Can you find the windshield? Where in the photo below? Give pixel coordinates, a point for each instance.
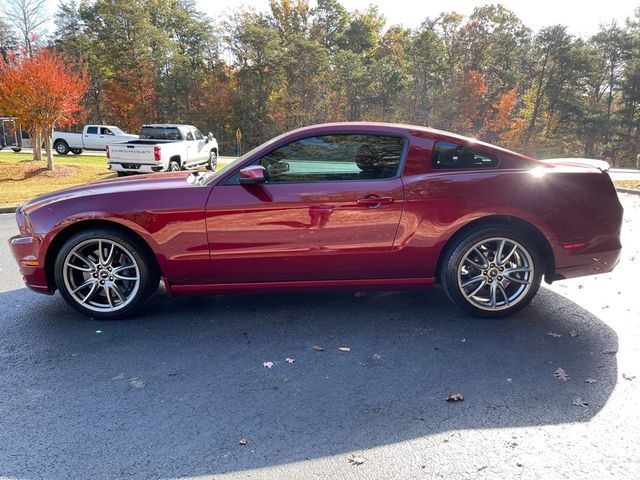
(117, 131)
(241, 159)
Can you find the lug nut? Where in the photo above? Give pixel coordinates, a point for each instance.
(499, 277)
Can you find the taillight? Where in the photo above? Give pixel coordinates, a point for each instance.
(108, 152)
(156, 153)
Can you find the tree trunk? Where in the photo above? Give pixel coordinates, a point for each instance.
(36, 141)
(48, 146)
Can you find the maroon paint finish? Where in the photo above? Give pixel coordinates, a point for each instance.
(385, 234)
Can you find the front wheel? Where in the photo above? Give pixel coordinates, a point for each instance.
(104, 273)
(212, 163)
(17, 150)
(492, 272)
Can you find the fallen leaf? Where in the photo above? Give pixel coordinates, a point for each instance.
(519, 465)
(509, 380)
(561, 374)
(268, 364)
(580, 403)
(243, 441)
(289, 360)
(344, 349)
(464, 340)
(590, 380)
(318, 348)
(573, 334)
(628, 377)
(455, 397)
(376, 356)
(359, 294)
(356, 460)
(554, 334)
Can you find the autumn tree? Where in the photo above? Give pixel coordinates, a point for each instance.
(43, 93)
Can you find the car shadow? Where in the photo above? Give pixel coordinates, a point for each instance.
(173, 391)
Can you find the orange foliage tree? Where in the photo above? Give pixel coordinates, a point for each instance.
(43, 93)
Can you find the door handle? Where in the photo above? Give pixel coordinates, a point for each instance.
(374, 201)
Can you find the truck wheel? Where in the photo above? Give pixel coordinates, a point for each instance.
(61, 147)
(76, 151)
(213, 160)
(123, 174)
(174, 167)
(17, 150)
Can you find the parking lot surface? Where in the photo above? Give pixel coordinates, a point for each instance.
(173, 392)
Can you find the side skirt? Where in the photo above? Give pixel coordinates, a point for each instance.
(300, 286)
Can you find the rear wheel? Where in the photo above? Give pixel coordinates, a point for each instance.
(76, 151)
(174, 166)
(61, 147)
(492, 272)
(122, 174)
(16, 150)
(104, 273)
(212, 163)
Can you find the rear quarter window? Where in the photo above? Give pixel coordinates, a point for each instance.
(448, 155)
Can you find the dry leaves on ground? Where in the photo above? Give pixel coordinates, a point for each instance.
(554, 334)
(628, 377)
(590, 380)
(455, 397)
(580, 403)
(243, 441)
(561, 374)
(268, 364)
(356, 460)
(318, 348)
(289, 360)
(344, 349)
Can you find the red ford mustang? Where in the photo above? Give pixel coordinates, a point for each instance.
(339, 206)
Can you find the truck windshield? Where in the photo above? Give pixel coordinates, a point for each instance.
(117, 131)
(160, 133)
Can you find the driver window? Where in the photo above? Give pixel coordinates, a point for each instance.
(106, 131)
(335, 158)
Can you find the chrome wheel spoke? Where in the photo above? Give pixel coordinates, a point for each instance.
(91, 281)
(472, 281)
(503, 292)
(480, 287)
(116, 290)
(509, 255)
(492, 295)
(499, 251)
(94, 287)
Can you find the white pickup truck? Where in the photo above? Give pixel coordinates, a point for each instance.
(93, 137)
(163, 148)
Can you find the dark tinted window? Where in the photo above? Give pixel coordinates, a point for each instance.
(106, 131)
(334, 158)
(92, 130)
(198, 135)
(453, 155)
(160, 133)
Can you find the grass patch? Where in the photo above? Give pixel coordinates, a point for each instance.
(630, 184)
(21, 178)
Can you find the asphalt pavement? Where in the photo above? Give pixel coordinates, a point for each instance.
(172, 392)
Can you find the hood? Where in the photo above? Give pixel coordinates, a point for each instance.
(157, 181)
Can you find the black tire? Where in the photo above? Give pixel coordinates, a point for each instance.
(61, 147)
(122, 174)
(174, 166)
(145, 271)
(76, 151)
(460, 266)
(17, 150)
(212, 163)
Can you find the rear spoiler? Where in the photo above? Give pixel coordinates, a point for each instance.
(601, 165)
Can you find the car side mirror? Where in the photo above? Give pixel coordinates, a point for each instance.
(253, 175)
(210, 136)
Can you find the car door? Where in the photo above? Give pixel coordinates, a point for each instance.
(192, 147)
(329, 210)
(201, 146)
(90, 138)
(105, 137)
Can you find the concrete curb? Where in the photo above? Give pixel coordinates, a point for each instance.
(7, 209)
(628, 190)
